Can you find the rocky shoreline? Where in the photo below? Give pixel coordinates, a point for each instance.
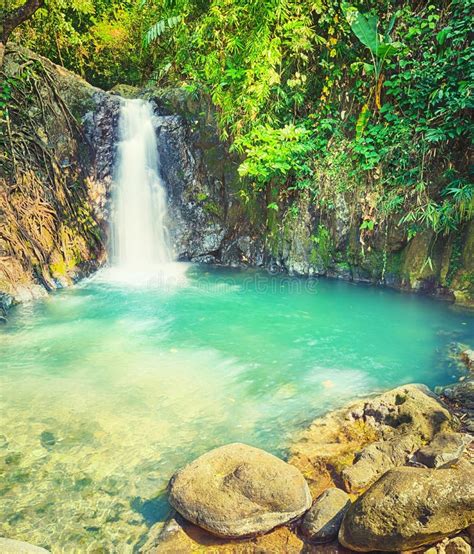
(390, 473)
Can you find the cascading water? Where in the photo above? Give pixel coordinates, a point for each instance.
(139, 235)
(139, 238)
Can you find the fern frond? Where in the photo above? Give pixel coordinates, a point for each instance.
(158, 28)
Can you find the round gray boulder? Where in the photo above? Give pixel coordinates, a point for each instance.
(321, 523)
(239, 491)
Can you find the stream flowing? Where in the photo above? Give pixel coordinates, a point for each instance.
(108, 387)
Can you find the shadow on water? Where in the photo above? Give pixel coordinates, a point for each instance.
(153, 510)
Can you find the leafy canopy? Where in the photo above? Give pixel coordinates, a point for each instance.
(373, 97)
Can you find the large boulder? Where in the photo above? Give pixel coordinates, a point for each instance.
(410, 409)
(239, 491)
(409, 507)
(321, 523)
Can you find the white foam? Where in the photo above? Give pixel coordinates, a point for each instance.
(160, 276)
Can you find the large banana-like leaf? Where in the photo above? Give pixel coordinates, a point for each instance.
(363, 26)
(387, 49)
(365, 29)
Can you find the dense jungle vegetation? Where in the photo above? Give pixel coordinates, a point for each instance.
(318, 96)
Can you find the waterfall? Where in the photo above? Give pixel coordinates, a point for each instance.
(139, 245)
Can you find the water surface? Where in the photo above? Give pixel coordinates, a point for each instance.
(108, 388)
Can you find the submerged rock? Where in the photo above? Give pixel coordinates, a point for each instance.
(467, 356)
(239, 491)
(321, 523)
(6, 302)
(47, 440)
(408, 508)
(444, 450)
(10, 546)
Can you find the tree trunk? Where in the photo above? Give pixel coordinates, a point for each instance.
(15, 18)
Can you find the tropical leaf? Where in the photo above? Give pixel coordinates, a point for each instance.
(363, 26)
(362, 121)
(158, 28)
(368, 68)
(442, 35)
(387, 49)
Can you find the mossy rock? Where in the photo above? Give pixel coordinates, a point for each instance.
(126, 91)
(463, 272)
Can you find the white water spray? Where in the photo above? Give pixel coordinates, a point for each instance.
(140, 248)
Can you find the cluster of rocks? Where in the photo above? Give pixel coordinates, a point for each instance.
(391, 473)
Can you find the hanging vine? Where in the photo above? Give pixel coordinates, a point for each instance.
(44, 222)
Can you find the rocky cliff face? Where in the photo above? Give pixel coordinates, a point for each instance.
(52, 184)
(208, 221)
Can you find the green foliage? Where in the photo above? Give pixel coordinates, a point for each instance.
(99, 39)
(158, 28)
(367, 224)
(315, 95)
(272, 154)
